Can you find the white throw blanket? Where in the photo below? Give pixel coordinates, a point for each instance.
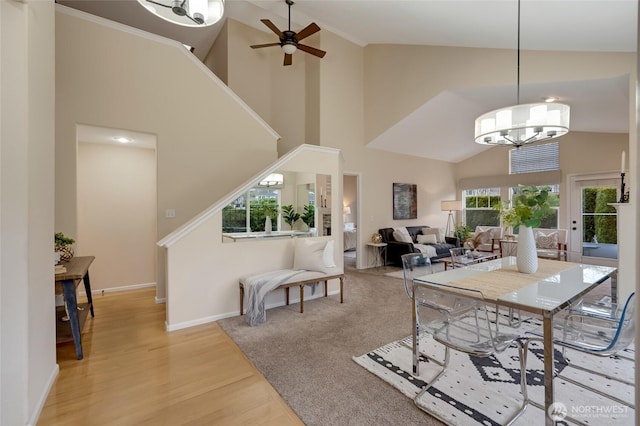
(257, 288)
(426, 249)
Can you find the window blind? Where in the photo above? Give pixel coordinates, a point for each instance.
(535, 158)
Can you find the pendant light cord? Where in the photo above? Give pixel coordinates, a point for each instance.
(518, 69)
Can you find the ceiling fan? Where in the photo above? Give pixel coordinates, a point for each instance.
(290, 40)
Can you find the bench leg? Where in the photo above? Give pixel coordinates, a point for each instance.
(286, 290)
(302, 299)
(241, 300)
(341, 289)
(325, 288)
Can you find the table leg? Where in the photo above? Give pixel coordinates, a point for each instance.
(69, 292)
(548, 366)
(414, 331)
(87, 289)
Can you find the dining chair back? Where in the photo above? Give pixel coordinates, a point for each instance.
(470, 331)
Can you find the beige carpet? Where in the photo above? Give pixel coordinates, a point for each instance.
(308, 357)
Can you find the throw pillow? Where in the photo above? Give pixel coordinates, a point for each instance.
(438, 232)
(546, 241)
(402, 236)
(427, 239)
(310, 255)
(485, 237)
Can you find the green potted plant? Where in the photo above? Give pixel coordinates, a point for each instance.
(309, 216)
(529, 206)
(62, 245)
(290, 215)
(462, 233)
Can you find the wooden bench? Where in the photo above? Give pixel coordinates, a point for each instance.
(300, 280)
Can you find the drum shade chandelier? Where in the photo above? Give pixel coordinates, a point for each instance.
(188, 13)
(518, 125)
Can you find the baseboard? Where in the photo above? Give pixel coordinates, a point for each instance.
(214, 318)
(116, 289)
(160, 300)
(33, 420)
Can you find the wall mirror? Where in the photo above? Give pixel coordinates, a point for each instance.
(282, 205)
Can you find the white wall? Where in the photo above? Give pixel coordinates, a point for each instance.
(117, 214)
(203, 272)
(27, 325)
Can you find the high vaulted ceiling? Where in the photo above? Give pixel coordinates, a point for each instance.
(574, 25)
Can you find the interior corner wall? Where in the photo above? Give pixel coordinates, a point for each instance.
(27, 310)
(217, 57)
(202, 131)
(274, 91)
(342, 105)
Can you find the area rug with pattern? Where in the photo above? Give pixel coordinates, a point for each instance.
(486, 391)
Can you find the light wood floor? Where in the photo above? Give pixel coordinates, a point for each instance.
(135, 373)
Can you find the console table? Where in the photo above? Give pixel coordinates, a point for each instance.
(65, 284)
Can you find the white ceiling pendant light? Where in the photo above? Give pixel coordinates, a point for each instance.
(189, 13)
(518, 125)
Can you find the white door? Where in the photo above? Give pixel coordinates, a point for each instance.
(593, 222)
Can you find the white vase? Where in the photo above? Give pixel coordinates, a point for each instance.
(267, 225)
(527, 256)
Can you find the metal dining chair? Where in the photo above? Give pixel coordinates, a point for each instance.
(469, 331)
(601, 332)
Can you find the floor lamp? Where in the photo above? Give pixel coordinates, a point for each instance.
(450, 206)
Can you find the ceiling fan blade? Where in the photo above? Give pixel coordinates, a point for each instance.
(272, 27)
(258, 46)
(288, 59)
(310, 29)
(317, 52)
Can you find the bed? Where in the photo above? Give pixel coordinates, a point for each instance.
(349, 236)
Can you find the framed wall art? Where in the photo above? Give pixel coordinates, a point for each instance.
(405, 201)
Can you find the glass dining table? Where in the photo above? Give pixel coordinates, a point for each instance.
(552, 288)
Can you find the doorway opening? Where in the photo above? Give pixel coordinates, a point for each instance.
(350, 205)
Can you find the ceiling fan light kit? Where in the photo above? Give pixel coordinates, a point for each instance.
(290, 40)
(188, 13)
(519, 125)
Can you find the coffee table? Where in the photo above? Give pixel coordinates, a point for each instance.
(482, 257)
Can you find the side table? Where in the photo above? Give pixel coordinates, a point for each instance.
(379, 251)
(66, 283)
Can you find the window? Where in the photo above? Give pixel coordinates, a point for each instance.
(479, 207)
(247, 212)
(535, 158)
(599, 218)
(550, 221)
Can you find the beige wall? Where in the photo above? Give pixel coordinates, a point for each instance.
(343, 93)
(399, 79)
(117, 214)
(203, 132)
(27, 309)
(274, 91)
